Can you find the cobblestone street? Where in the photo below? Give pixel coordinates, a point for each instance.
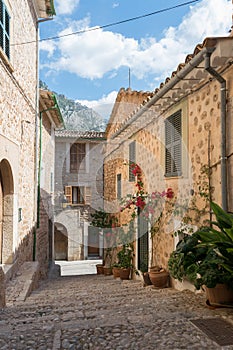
(102, 313)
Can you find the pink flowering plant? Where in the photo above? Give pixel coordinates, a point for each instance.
(150, 206)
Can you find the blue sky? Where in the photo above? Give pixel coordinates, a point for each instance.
(92, 67)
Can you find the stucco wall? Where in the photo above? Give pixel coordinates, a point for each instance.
(74, 218)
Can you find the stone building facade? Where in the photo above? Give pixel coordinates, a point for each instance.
(50, 120)
(78, 193)
(18, 125)
(181, 137)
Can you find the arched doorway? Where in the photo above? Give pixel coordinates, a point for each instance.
(6, 213)
(60, 242)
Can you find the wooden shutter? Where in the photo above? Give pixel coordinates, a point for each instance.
(68, 194)
(132, 159)
(173, 143)
(87, 195)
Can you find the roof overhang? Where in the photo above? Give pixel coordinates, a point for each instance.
(44, 8)
(90, 136)
(188, 77)
(48, 104)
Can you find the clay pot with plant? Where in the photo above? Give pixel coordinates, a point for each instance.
(205, 258)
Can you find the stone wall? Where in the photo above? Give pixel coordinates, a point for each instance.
(18, 98)
(44, 233)
(126, 102)
(201, 146)
(2, 289)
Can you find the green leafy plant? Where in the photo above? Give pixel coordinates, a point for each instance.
(220, 239)
(206, 256)
(103, 219)
(125, 256)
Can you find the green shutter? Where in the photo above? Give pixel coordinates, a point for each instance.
(118, 186)
(132, 159)
(1, 12)
(4, 29)
(173, 144)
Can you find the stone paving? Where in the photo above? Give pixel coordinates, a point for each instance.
(102, 313)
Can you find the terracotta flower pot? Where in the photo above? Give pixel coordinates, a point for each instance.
(159, 279)
(220, 294)
(146, 279)
(125, 273)
(116, 272)
(107, 271)
(100, 269)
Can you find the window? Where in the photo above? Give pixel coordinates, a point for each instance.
(132, 159)
(77, 157)
(76, 195)
(118, 186)
(173, 139)
(4, 29)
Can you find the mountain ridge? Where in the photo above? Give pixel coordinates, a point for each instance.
(77, 116)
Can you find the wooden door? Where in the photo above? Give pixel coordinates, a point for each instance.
(93, 241)
(143, 244)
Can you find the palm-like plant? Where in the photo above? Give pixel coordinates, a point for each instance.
(206, 256)
(219, 240)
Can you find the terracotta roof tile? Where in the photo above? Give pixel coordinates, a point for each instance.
(81, 134)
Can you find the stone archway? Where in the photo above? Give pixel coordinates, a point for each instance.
(6, 213)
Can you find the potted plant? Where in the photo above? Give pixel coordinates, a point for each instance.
(116, 270)
(158, 276)
(125, 259)
(205, 258)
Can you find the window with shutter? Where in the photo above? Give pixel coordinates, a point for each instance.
(173, 144)
(4, 29)
(77, 157)
(118, 186)
(132, 160)
(76, 195)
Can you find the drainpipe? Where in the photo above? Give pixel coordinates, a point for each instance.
(222, 82)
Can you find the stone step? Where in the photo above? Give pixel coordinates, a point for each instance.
(21, 286)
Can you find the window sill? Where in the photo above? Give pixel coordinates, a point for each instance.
(171, 177)
(6, 61)
(65, 205)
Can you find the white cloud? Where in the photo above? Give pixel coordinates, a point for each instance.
(103, 106)
(93, 54)
(65, 7)
(116, 4)
(48, 46)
